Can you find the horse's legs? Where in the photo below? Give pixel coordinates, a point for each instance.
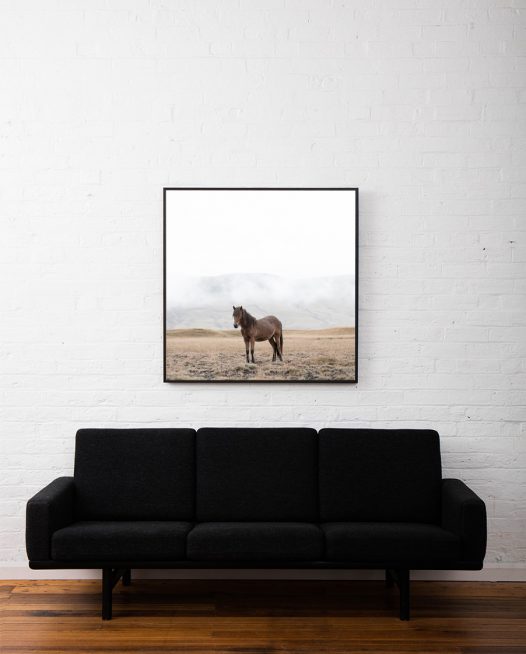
(252, 345)
(272, 341)
(278, 347)
(246, 350)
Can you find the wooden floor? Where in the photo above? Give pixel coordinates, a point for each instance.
(256, 617)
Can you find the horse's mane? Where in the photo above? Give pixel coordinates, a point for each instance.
(248, 319)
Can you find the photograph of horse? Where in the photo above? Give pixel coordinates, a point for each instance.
(217, 289)
(268, 329)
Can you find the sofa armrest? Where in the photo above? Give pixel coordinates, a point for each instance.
(50, 509)
(464, 514)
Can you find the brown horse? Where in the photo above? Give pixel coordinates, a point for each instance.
(265, 329)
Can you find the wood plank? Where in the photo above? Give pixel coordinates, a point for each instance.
(256, 617)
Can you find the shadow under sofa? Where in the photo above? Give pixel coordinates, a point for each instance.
(254, 498)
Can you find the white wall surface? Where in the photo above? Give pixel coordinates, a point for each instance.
(420, 103)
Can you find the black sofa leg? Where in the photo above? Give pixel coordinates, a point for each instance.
(107, 587)
(404, 586)
(400, 576)
(110, 577)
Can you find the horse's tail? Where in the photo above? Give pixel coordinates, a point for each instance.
(281, 342)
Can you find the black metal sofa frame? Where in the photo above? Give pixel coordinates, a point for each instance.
(257, 498)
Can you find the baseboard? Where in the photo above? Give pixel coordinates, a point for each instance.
(500, 573)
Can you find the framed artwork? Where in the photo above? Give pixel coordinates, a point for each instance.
(260, 285)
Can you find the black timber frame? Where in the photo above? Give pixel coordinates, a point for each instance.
(112, 572)
(111, 577)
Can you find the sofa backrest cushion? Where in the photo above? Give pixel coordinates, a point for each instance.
(135, 474)
(256, 474)
(379, 475)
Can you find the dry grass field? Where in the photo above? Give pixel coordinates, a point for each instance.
(207, 354)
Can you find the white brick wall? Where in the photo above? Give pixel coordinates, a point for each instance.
(420, 103)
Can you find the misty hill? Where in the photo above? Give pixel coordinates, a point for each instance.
(313, 303)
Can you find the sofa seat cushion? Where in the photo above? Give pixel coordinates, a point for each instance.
(121, 541)
(389, 542)
(255, 541)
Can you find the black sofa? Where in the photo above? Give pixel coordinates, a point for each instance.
(256, 498)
